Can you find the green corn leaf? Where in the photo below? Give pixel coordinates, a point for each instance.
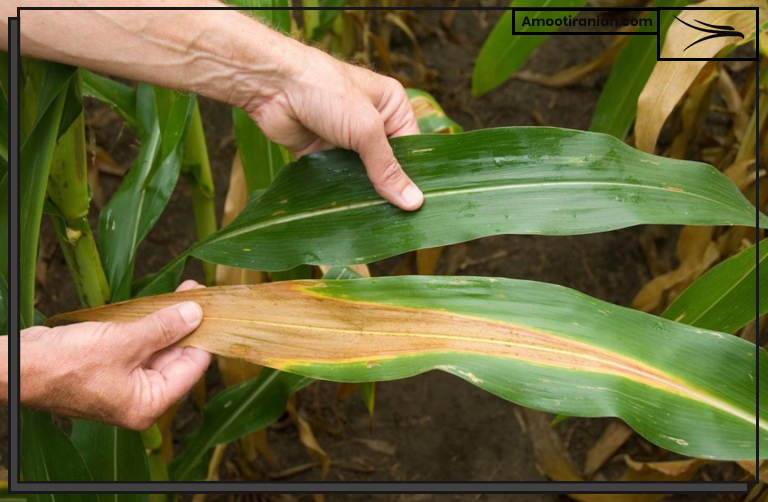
(368, 393)
(617, 107)
(323, 210)
(134, 209)
(41, 118)
(327, 17)
(120, 97)
(164, 281)
(196, 170)
(39, 318)
(233, 413)
(723, 299)
(278, 19)
(504, 53)
(112, 454)
(261, 158)
(43, 83)
(49, 455)
(539, 345)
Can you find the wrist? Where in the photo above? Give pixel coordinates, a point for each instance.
(242, 62)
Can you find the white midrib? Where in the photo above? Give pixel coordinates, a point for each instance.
(434, 195)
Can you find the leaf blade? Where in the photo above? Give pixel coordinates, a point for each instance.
(503, 53)
(617, 106)
(723, 298)
(258, 403)
(49, 455)
(134, 209)
(323, 210)
(540, 345)
(112, 454)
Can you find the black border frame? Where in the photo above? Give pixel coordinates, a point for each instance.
(17, 486)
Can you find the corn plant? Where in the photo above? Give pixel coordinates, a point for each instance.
(540, 345)
(504, 53)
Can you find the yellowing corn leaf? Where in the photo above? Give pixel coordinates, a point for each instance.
(694, 111)
(680, 469)
(540, 345)
(309, 441)
(671, 79)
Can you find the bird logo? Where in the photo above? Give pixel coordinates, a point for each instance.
(718, 31)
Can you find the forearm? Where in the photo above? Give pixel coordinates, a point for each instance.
(221, 54)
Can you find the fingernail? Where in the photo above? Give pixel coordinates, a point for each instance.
(190, 312)
(412, 196)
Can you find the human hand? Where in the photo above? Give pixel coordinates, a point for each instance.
(125, 374)
(325, 103)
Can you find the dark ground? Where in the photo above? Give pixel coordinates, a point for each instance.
(441, 428)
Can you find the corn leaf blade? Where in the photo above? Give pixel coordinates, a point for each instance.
(120, 97)
(41, 118)
(134, 209)
(617, 106)
(233, 413)
(112, 454)
(322, 209)
(539, 345)
(723, 299)
(504, 53)
(49, 455)
(261, 158)
(278, 19)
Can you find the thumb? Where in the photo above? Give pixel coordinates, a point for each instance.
(385, 172)
(164, 327)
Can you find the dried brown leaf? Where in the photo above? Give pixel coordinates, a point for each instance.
(378, 445)
(309, 441)
(426, 260)
(732, 98)
(614, 436)
(671, 79)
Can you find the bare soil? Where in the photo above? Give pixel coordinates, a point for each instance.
(436, 427)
